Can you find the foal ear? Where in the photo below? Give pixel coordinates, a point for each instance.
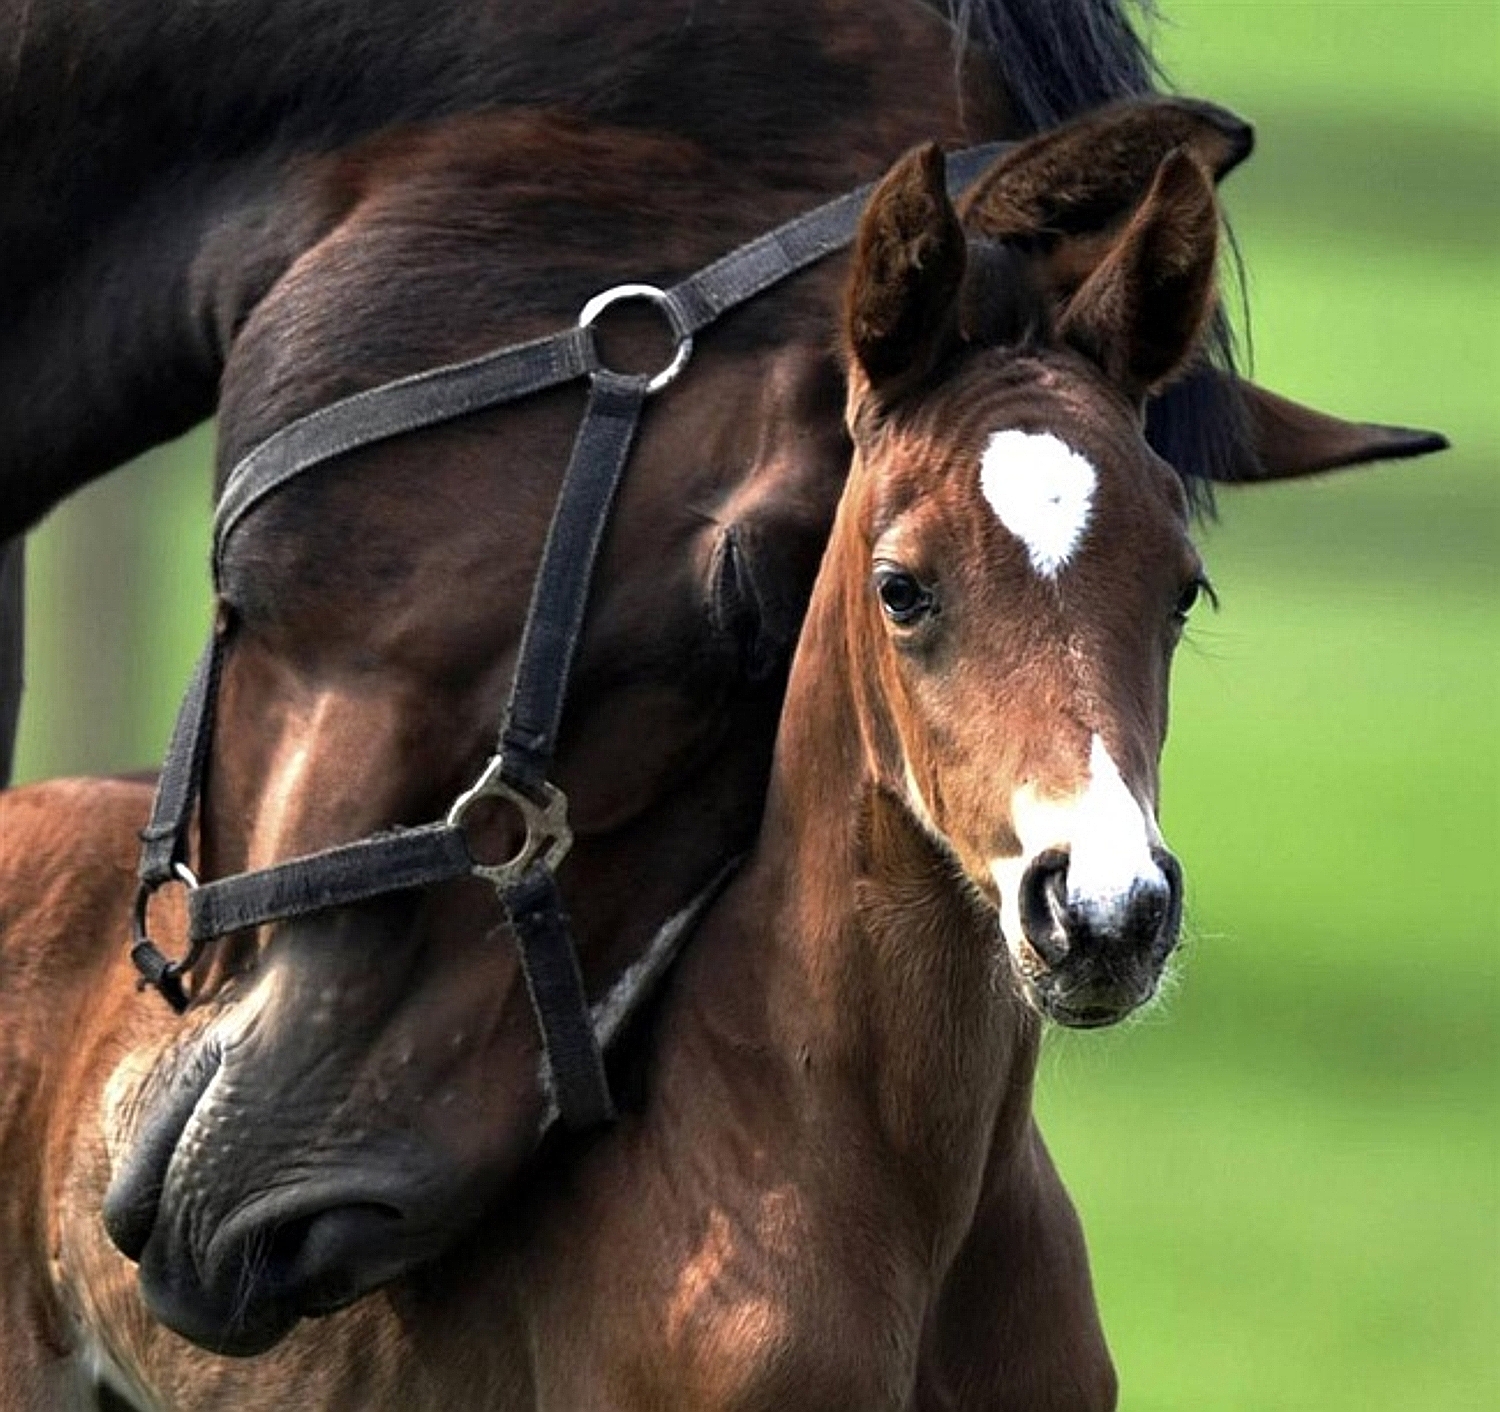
(907, 267)
(1139, 314)
(1291, 440)
(1066, 193)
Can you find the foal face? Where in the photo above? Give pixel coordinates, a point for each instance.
(1029, 575)
(1028, 561)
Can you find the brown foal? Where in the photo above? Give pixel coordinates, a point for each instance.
(836, 1196)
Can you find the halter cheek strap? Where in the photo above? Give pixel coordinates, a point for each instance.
(518, 772)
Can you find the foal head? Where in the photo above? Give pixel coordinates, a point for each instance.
(1017, 569)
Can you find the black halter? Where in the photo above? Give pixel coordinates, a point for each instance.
(518, 770)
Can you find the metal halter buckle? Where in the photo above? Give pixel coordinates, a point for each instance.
(548, 836)
(156, 970)
(669, 309)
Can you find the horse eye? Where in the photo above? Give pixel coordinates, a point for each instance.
(1190, 596)
(903, 598)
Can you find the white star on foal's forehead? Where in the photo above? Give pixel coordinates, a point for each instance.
(1042, 491)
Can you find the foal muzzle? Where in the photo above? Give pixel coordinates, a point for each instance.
(1096, 958)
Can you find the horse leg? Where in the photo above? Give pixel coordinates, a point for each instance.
(1015, 1328)
(12, 632)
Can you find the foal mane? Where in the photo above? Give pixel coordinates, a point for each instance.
(1001, 302)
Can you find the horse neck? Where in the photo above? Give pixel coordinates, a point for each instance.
(146, 149)
(152, 155)
(894, 967)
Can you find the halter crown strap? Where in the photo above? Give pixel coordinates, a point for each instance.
(507, 375)
(518, 771)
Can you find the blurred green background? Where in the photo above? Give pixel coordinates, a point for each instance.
(1289, 1172)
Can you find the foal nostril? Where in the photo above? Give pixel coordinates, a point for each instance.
(1151, 912)
(1142, 918)
(1044, 905)
(1165, 932)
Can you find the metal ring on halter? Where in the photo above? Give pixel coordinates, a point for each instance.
(548, 836)
(670, 310)
(156, 970)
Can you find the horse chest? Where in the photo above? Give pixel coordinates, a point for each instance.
(770, 1297)
(734, 1337)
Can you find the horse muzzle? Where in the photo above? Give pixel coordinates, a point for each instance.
(1089, 959)
(251, 1197)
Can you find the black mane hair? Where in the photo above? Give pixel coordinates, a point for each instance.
(1058, 58)
(1001, 302)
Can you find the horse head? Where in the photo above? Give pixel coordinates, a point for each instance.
(351, 1087)
(1022, 565)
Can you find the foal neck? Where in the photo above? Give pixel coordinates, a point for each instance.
(902, 962)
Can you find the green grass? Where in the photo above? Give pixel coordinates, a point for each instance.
(1289, 1174)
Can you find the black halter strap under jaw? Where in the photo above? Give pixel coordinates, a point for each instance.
(518, 772)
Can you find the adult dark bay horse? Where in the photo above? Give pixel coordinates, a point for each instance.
(294, 206)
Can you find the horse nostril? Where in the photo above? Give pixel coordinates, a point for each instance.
(1142, 918)
(1044, 905)
(1170, 919)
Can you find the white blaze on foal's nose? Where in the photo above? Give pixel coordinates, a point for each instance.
(1108, 833)
(1111, 842)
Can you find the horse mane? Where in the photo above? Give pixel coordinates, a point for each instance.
(1055, 59)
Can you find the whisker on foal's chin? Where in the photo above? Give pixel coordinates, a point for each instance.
(1154, 1010)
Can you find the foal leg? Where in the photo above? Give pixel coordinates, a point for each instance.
(1015, 1328)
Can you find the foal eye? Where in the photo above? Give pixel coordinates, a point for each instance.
(903, 597)
(1189, 597)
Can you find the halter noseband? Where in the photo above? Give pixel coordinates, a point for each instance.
(518, 770)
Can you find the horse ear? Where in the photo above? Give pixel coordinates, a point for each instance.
(1067, 193)
(1139, 314)
(907, 268)
(1291, 440)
